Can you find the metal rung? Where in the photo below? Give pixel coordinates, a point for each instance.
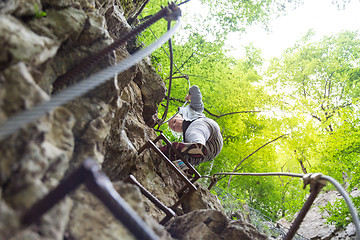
(168, 211)
(172, 166)
(189, 184)
(151, 144)
(100, 186)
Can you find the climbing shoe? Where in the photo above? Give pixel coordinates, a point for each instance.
(164, 149)
(194, 150)
(168, 152)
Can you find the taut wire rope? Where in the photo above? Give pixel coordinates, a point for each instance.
(354, 214)
(167, 54)
(95, 58)
(171, 58)
(170, 76)
(341, 190)
(183, 2)
(15, 122)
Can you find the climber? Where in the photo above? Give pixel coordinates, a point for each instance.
(202, 140)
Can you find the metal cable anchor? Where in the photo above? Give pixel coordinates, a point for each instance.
(312, 179)
(173, 12)
(316, 184)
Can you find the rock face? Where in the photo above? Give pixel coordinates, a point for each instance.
(108, 124)
(202, 199)
(211, 224)
(314, 225)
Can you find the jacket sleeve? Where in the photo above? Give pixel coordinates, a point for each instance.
(196, 99)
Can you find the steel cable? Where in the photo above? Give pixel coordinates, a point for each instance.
(348, 201)
(173, 115)
(170, 56)
(341, 190)
(263, 174)
(15, 122)
(170, 76)
(95, 58)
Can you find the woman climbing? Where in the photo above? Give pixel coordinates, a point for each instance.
(202, 140)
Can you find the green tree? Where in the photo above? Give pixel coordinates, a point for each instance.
(319, 86)
(320, 77)
(315, 108)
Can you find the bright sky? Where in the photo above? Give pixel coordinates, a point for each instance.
(320, 15)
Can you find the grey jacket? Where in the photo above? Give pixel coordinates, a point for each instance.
(201, 129)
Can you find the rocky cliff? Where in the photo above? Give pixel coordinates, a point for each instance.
(314, 225)
(108, 124)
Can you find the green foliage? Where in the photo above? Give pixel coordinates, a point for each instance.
(342, 151)
(236, 15)
(310, 93)
(339, 213)
(231, 203)
(39, 13)
(320, 76)
(320, 80)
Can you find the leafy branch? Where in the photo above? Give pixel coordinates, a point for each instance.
(264, 145)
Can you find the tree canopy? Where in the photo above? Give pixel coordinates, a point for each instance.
(301, 115)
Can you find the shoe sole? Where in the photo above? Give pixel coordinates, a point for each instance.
(195, 150)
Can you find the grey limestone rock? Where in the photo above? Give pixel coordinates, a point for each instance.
(19, 43)
(211, 224)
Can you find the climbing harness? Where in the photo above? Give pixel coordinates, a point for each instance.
(17, 121)
(317, 181)
(162, 120)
